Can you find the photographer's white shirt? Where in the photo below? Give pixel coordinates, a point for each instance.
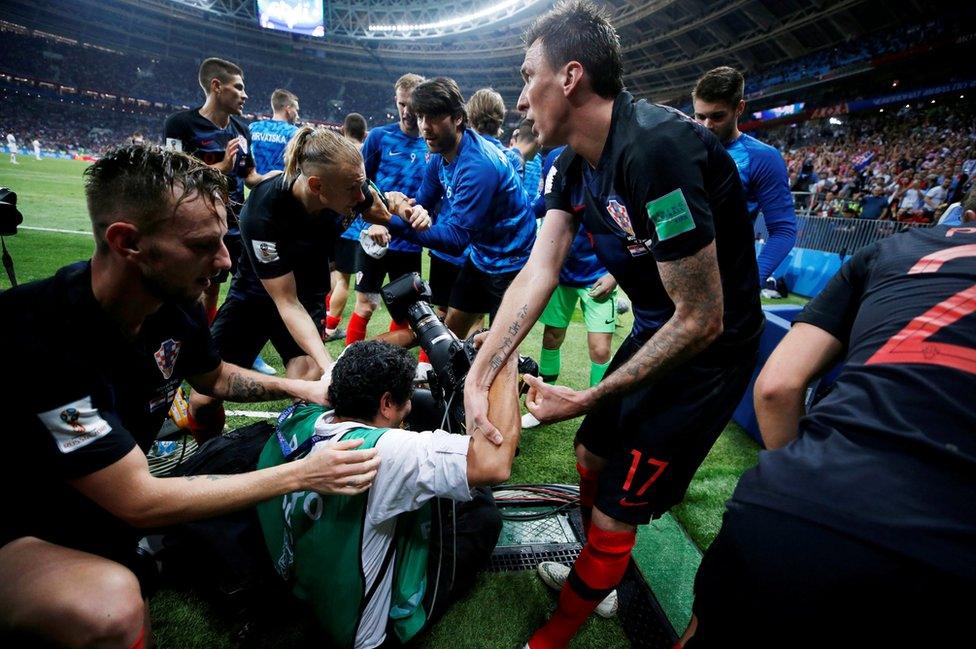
(414, 467)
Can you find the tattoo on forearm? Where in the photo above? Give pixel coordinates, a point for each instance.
(505, 348)
(210, 477)
(693, 281)
(241, 387)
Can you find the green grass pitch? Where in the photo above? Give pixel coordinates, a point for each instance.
(504, 609)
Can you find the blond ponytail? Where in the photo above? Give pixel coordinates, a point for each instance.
(318, 146)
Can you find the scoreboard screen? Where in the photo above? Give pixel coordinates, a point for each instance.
(296, 16)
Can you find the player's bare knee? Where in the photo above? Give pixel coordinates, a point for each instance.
(588, 460)
(113, 612)
(553, 338)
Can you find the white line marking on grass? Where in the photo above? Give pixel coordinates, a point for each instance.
(254, 414)
(32, 227)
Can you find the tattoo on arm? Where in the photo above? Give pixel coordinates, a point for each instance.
(695, 287)
(209, 476)
(505, 348)
(242, 387)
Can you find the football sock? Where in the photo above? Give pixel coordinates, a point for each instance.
(422, 357)
(587, 490)
(597, 371)
(140, 642)
(208, 426)
(397, 326)
(357, 328)
(332, 322)
(328, 300)
(549, 365)
(599, 568)
(211, 314)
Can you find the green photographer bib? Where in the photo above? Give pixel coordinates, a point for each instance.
(315, 542)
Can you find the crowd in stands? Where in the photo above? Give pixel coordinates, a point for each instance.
(853, 51)
(906, 165)
(172, 81)
(68, 129)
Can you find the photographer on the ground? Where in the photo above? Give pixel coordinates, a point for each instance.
(288, 227)
(399, 576)
(102, 347)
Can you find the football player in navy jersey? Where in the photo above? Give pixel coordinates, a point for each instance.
(858, 526)
(395, 157)
(718, 103)
(216, 134)
(663, 202)
(480, 192)
(103, 346)
(288, 225)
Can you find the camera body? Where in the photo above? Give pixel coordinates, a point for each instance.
(408, 299)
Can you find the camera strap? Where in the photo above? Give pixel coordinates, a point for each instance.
(8, 263)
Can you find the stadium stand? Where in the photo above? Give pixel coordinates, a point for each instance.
(870, 103)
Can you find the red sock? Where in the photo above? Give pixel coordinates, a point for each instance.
(397, 326)
(587, 485)
(600, 567)
(332, 321)
(357, 328)
(209, 426)
(328, 300)
(422, 357)
(211, 314)
(140, 642)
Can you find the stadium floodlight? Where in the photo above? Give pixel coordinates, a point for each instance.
(497, 10)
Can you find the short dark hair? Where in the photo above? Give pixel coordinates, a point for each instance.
(440, 96)
(721, 85)
(578, 30)
(354, 126)
(136, 182)
(282, 99)
(365, 372)
(217, 68)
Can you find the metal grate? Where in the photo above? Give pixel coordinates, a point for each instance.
(523, 545)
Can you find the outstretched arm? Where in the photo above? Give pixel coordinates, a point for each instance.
(694, 285)
(520, 308)
(488, 463)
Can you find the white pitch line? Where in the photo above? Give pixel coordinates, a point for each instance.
(31, 227)
(254, 414)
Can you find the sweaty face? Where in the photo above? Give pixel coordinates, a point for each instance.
(542, 99)
(342, 189)
(408, 121)
(441, 132)
(718, 117)
(231, 95)
(187, 250)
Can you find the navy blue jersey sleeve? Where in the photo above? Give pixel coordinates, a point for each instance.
(555, 186)
(665, 175)
(836, 306)
(176, 130)
(261, 237)
(771, 185)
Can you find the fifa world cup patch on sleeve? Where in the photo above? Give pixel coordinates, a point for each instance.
(670, 215)
(265, 251)
(75, 424)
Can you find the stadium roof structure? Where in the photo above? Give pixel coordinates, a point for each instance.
(667, 44)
